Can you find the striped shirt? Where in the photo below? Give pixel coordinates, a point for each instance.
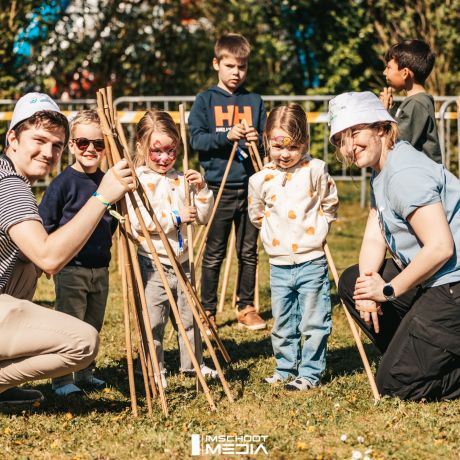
(17, 204)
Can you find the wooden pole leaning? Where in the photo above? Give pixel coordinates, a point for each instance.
(254, 152)
(186, 286)
(228, 264)
(199, 253)
(353, 328)
(191, 253)
(104, 112)
(183, 280)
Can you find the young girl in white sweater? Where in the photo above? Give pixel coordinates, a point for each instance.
(157, 142)
(293, 200)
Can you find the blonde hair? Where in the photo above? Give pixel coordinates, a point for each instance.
(84, 117)
(235, 45)
(390, 134)
(153, 121)
(292, 119)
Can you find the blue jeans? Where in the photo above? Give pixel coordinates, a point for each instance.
(301, 307)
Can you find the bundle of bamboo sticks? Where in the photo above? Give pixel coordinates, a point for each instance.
(133, 291)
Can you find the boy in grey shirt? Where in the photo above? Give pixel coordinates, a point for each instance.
(409, 64)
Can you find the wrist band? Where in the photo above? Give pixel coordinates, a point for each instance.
(177, 217)
(180, 240)
(112, 212)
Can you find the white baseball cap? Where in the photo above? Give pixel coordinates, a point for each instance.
(28, 105)
(351, 109)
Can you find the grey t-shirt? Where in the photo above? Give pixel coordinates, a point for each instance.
(417, 124)
(408, 181)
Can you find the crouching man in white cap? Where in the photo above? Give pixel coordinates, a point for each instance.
(36, 342)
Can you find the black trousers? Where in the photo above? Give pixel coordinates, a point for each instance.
(233, 207)
(419, 338)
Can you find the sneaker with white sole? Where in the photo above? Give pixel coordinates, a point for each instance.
(164, 382)
(275, 378)
(206, 371)
(20, 396)
(87, 378)
(299, 384)
(248, 318)
(66, 390)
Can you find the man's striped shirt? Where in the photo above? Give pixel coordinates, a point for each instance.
(17, 204)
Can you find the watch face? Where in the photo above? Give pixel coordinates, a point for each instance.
(388, 290)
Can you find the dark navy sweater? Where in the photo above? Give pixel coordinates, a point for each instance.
(64, 197)
(213, 114)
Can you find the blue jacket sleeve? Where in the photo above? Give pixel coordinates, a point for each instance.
(50, 208)
(201, 139)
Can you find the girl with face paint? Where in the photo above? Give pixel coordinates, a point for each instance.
(157, 143)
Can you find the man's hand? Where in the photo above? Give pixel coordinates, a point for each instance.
(252, 135)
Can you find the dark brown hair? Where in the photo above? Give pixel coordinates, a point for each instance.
(416, 55)
(47, 119)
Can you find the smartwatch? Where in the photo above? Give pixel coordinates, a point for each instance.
(389, 292)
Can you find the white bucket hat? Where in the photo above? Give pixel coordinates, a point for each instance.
(351, 109)
(28, 105)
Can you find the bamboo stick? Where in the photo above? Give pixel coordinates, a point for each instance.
(216, 202)
(113, 151)
(182, 278)
(191, 255)
(228, 264)
(129, 350)
(353, 328)
(253, 152)
(186, 286)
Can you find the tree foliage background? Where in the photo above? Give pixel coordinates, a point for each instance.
(165, 47)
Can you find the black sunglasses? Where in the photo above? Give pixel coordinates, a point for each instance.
(83, 143)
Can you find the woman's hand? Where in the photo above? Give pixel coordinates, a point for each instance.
(195, 178)
(369, 287)
(369, 311)
(116, 182)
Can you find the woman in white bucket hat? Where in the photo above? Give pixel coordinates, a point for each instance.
(409, 304)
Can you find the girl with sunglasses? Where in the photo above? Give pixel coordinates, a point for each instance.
(82, 285)
(293, 200)
(157, 143)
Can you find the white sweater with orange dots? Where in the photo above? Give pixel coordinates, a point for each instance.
(166, 193)
(293, 208)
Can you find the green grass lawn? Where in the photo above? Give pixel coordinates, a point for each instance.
(307, 425)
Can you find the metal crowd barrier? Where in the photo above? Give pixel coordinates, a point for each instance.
(131, 109)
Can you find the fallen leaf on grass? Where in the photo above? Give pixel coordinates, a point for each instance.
(301, 445)
(68, 416)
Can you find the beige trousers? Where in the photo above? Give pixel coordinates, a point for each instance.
(37, 342)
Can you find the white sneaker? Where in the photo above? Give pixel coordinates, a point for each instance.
(208, 372)
(66, 390)
(275, 378)
(164, 382)
(299, 384)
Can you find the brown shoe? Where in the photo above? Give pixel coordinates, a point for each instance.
(212, 319)
(249, 319)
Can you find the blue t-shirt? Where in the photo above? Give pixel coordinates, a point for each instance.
(408, 181)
